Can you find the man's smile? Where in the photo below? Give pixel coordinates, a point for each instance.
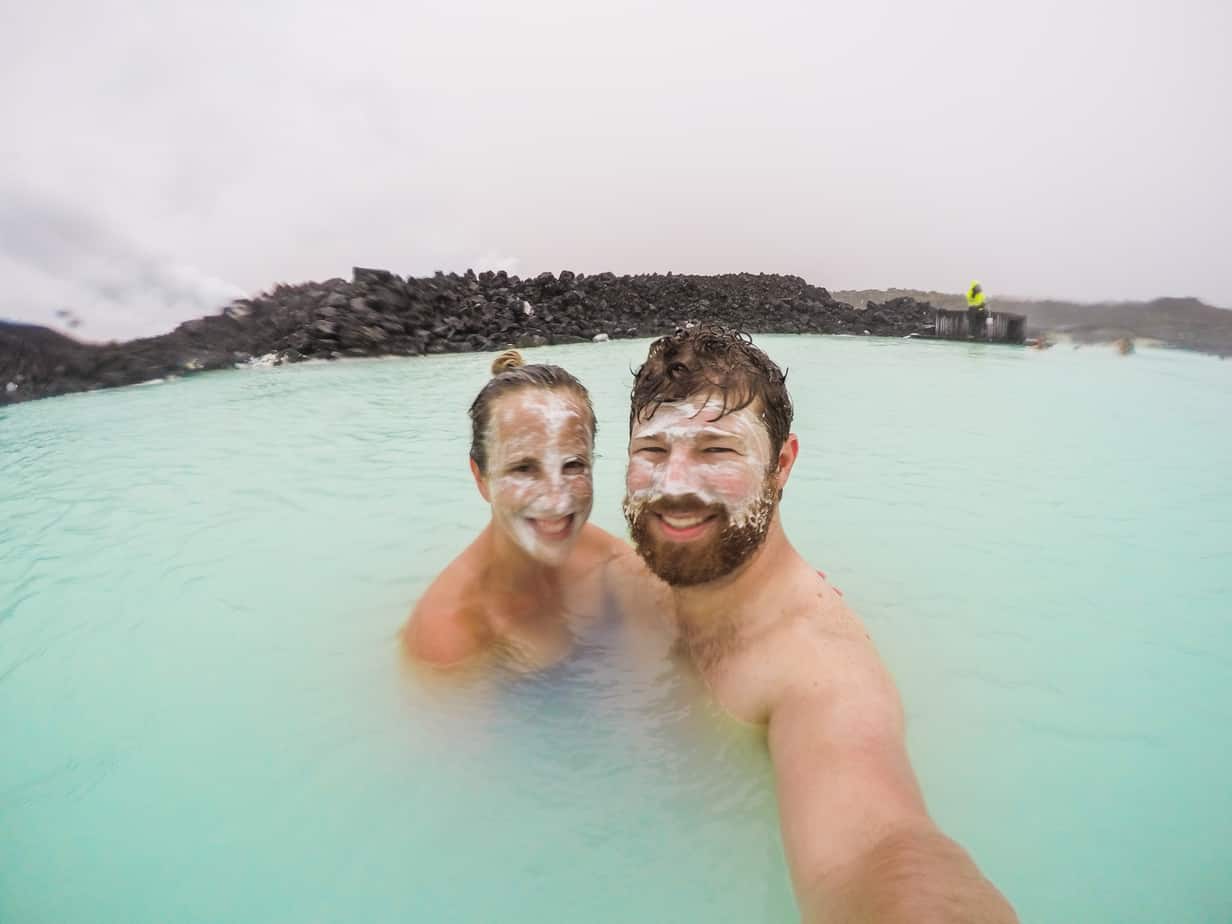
(684, 527)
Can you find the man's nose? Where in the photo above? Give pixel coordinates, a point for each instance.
(676, 472)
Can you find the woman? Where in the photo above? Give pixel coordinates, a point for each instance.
(538, 572)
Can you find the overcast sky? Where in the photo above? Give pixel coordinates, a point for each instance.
(158, 158)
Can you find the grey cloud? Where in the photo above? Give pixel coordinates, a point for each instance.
(73, 265)
(1075, 150)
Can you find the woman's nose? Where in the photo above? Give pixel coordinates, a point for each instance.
(556, 489)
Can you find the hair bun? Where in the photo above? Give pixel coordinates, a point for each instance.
(510, 359)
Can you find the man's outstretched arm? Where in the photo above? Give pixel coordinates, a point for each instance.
(860, 843)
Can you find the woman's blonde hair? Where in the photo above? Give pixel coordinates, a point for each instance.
(510, 373)
(510, 359)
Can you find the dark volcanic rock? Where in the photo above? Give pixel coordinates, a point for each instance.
(379, 313)
(899, 317)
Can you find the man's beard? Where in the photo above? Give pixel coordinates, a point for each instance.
(730, 545)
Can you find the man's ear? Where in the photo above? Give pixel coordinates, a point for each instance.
(480, 482)
(788, 453)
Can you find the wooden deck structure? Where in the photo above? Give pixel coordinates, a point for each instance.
(999, 327)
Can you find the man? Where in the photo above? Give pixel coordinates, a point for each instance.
(977, 310)
(710, 453)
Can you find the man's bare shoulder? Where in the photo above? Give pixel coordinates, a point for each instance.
(811, 647)
(825, 646)
(824, 622)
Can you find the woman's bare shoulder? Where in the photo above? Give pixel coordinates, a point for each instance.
(449, 625)
(638, 591)
(596, 547)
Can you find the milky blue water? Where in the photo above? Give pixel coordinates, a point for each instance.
(204, 716)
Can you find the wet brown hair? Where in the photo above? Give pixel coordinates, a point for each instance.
(712, 360)
(511, 373)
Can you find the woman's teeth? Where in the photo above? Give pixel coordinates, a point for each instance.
(556, 528)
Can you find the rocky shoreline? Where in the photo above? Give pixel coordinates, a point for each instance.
(377, 313)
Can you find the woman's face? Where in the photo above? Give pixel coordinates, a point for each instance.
(539, 449)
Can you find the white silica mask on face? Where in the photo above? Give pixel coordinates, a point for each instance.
(539, 470)
(687, 449)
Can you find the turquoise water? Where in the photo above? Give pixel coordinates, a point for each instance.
(204, 717)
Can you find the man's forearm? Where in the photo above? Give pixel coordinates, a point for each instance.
(912, 877)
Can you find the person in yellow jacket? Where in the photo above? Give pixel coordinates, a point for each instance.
(977, 310)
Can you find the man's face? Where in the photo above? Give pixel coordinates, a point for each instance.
(539, 476)
(700, 489)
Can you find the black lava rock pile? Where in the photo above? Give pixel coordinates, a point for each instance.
(378, 313)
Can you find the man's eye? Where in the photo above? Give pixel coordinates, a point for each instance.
(653, 450)
(716, 449)
(523, 468)
(575, 467)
